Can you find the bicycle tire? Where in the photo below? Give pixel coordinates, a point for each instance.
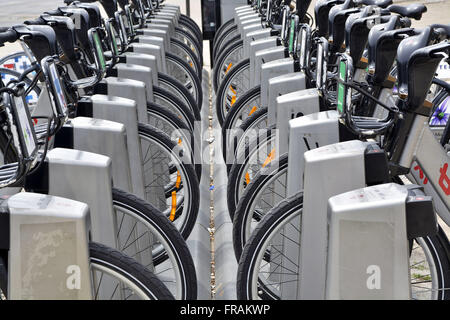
(182, 51)
(184, 220)
(191, 24)
(246, 202)
(287, 210)
(16, 75)
(174, 86)
(231, 32)
(189, 78)
(187, 27)
(223, 28)
(192, 41)
(168, 100)
(236, 113)
(162, 230)
(190, 28)
(156, 112)
(118, 264)
(237, 173)
(239, 68)
(235, 147)
(11, 56)
(219, 64)
(135, 273)
(225, 45)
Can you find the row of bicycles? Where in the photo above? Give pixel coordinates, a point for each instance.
(99, 187)
(335, 134)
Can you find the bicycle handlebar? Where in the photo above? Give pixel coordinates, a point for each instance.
(8, 36)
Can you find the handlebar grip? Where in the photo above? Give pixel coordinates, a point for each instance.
(8, 36)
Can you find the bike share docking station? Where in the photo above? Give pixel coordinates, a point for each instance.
(302, 201)
(35, 220)
(378, 223)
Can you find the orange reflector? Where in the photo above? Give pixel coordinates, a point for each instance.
(180, 141)
(191, 64)
(174, 206)
(232, 89)
(269, 158)
(253, 110)
(233, 100)
(247, 178)
(177, 184)
(228, 68)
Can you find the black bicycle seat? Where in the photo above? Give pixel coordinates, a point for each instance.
(413, 11)
(378, 3)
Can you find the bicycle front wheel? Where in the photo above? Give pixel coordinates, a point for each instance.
(171, 184)
(180, 70)
(115, 276)
(235, 84)
(266, 267)
(147, 236)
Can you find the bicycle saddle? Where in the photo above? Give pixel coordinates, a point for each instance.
(414, 10)
(378, 3)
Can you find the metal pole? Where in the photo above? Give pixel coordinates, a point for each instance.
(188, 8)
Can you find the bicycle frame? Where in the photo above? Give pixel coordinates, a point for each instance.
(428, 163)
